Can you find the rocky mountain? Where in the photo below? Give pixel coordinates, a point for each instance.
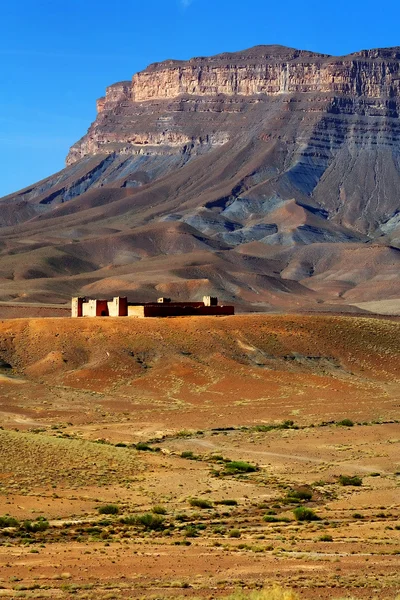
(269, 177)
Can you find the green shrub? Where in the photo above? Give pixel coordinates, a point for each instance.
(191, 531)
(239, 466)
(182, 517)
(184, 433)
(301, 513)
(7, 521)
(200, 503)
(108, 509)
(350, 480)
(326, 538)
(227, 502)
(129, 520)
(234, 533)
(188, 454)
(358, 516)
(159, 510)
(217, 458)
(345, 423)
(300, 494)
(143, 447)
(40, 524)
(150, 521)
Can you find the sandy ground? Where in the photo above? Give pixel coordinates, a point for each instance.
(74, 390)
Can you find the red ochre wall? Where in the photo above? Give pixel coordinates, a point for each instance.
(166, 310)
(101, 308)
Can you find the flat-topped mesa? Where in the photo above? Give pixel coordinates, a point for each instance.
(185, 108)
(372, 74)
(269, 70)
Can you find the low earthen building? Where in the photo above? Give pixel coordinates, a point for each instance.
(120, 307)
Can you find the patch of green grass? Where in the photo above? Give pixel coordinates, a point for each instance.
(275, 519)
(274, 593)
(45, 461)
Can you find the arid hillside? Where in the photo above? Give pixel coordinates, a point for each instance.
(269, 176)
(184, 372)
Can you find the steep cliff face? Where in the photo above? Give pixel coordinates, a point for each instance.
(354, 76)
(245, 152)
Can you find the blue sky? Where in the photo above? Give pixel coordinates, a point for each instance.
(57, 56)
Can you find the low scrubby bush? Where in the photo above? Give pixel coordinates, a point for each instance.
(200, 503)
(40, 524)
(7, 521)
(345, 423)
(143, 447)
(299, 494)
(151, 521)
(159, 510)
(240, 466)
(301, 513)
(234, 533)
(108, 509)
(191, 531)
(350, 480)
(275, 519)
(188, 454)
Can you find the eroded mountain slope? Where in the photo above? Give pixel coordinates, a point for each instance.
(205, 160)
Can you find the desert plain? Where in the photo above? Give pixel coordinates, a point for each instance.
(195, 457)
